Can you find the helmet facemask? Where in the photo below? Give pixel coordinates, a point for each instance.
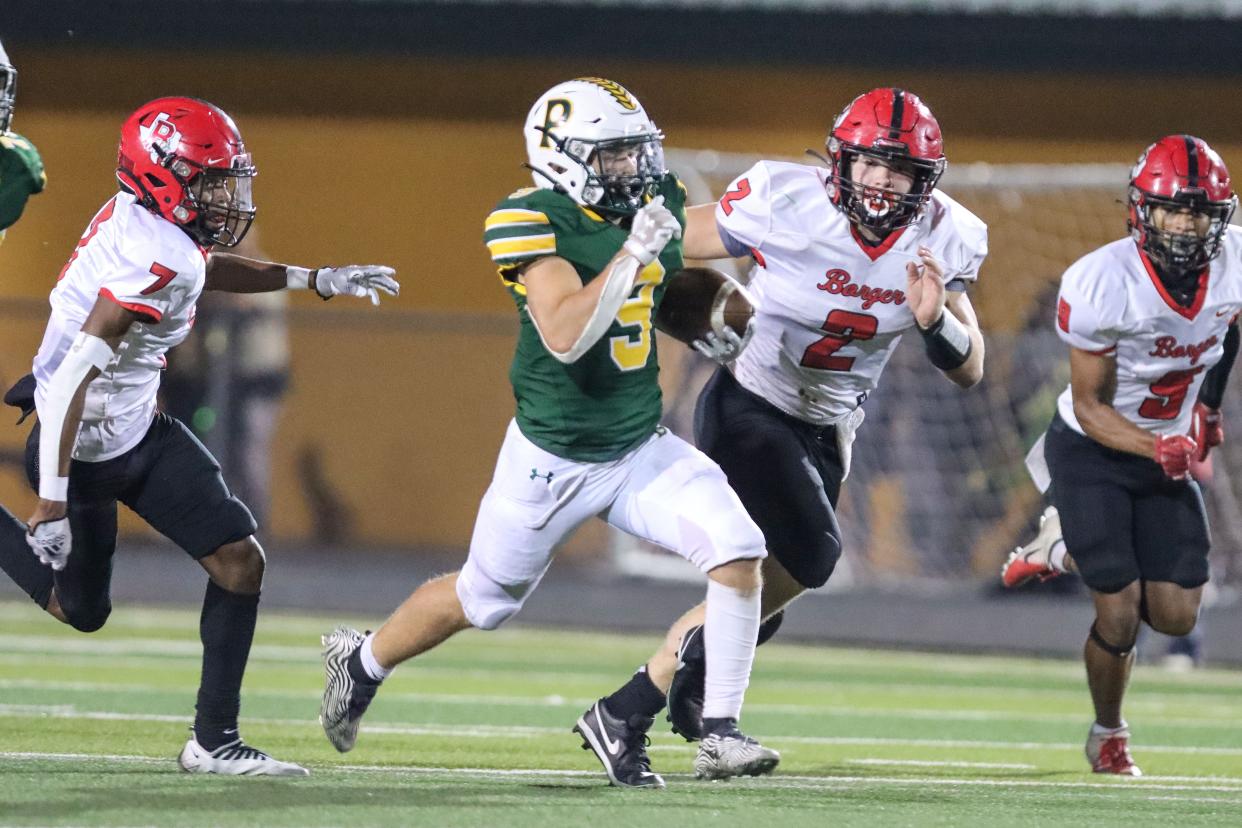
(881, 210)
(8, 94)
(621, 174)
(218, 207)
(1181, 254)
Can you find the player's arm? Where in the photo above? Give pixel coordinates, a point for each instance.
(570, 316)
(59, 418)
(230, 273)
(1093, 383)
(702, 236)
(971, 371)
(946, 320)
(1206, 428)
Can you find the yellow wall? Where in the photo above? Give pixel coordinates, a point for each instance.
(407, 412)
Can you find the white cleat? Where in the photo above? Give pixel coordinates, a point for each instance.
(234, 759)
(1034, 560)
(344, 700)
(733, 754)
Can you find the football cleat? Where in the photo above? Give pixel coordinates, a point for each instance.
(1108, 751)
(685, 694)
(620, 746)
(344, 699)
(1035, 559)
(234, 759)
(729, 754)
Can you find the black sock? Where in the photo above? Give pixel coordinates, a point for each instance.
(227, 629)
(769, 627)
(356, 671)
(637, 697)
(20, 563)
(721, 726)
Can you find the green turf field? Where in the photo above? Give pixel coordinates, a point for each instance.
(477, 734)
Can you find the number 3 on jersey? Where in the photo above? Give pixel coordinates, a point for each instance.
(842, 328)
(1170, 394)
(630, 353)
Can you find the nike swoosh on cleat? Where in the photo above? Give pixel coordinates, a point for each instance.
(613, 748)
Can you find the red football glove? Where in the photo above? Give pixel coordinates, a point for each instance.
(1173, 453)
(1206, 429)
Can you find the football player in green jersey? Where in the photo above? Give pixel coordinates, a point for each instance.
(584, 253)
(21, 168)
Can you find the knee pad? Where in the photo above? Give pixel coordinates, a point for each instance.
(1110, 648)
(486, 603)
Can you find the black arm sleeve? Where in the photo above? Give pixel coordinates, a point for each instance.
(1213, 389)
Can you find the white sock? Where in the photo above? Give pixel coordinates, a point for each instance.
(1056, 557)
(729, 632)
(1098, 729)
(367, 656)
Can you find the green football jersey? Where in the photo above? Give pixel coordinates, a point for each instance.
(608, 401)
(21, 176)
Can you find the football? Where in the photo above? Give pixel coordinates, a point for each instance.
(701, 299)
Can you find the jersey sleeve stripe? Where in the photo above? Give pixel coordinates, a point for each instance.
(506, 218)
(142, 310)
(523, 246)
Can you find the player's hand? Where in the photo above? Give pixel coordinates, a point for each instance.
(727, 346)
(356, 280)
(653, 227)
(1206, 429)
(925, 288)
(1173, 453)
(51, 540)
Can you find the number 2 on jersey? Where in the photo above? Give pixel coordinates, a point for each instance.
(1170, 394)
(842, 328)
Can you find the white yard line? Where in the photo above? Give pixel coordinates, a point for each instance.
(532, 731)
(923, 763)
(776, 781)
(1214, 718)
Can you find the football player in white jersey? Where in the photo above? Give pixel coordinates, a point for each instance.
(126, 296)
(849, 259)
(1151, 321)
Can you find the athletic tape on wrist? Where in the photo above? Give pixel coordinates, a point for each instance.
(947, 341)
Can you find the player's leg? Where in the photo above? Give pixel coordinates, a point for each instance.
(677, 497)
(177, 488)
(1092, 490)
(77, 595)
(1172, 543)
(521, 519)
(793, 502)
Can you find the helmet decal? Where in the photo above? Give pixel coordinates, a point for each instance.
(618, 92)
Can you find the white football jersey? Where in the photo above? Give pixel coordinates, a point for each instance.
(150, 266)
(1111, 302)
(830, 309)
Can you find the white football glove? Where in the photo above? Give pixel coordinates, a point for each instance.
(52, 542)
(653, 227)
(356, 280)
(727, 346)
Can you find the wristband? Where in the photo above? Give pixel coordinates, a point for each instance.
(947, 341)
(53, 488)
(297, 278)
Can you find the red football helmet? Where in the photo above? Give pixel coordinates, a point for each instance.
(1180, 172)
(185, 161)
(896, 127)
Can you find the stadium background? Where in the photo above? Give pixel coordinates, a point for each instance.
(385, 131)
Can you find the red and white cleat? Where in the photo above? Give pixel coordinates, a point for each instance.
(1108, 751)
(1035, 559)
